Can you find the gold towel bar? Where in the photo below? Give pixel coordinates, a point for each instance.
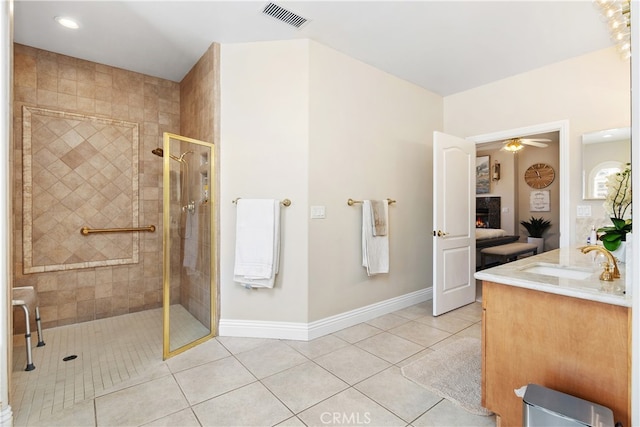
(285, 202)
(85, 231)
(352, 202)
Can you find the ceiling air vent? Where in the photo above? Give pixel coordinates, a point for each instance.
(284, 15)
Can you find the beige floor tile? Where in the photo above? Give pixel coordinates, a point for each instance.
(240, 344)
(140, 404)
(291, 422)
(79, 415)
(251, 405)
(270, 359)
(446, 342)
(446, 413)
(184, 418)
(357, 333)
(387, 321)
(415, 311)
(473, 331)
(400, 395)
(420, 333)
(201, 354)
(155, 371)
(349, 407)
(352, 364)
(213, 379)
(446, 322)
(389, 347)
(303, 386)
(218, 377)
(109, 352)
(317, 347)
(471, 312)
(415, 357)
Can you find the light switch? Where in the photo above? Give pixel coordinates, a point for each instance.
(583, 211)
(317, 212)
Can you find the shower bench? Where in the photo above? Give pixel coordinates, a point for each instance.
(25, 297)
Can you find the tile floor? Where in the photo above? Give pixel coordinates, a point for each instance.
(351, 377)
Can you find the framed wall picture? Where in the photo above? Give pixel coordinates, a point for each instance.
(483, 179)
(539, 201)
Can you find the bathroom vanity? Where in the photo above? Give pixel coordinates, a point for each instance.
(549, 320)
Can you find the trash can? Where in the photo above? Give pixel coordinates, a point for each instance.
(543, 407)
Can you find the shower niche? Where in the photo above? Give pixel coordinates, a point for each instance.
(188, 243)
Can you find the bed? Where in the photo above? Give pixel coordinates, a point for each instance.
(488, 237)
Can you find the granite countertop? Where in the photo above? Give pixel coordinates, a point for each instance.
(590, 288)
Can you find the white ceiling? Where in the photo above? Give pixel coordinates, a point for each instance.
(443, 46)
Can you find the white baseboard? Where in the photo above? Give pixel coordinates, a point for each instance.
(309, 331)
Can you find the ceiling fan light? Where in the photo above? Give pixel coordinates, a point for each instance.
(514, 146)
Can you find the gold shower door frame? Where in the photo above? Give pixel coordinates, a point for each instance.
(169, 350)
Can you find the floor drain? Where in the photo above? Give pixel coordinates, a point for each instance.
(66, 359)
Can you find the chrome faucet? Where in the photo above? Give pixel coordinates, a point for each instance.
(610, 271)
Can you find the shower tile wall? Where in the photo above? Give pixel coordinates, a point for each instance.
(49, 80)
(198, 96)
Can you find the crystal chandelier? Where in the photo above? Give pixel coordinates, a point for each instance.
(617, 15)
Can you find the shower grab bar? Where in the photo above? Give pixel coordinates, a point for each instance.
(285, 202)
(85, 231)
(352, 202)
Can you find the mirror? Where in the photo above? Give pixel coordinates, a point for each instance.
(603, 153)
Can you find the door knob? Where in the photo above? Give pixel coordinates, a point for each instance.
(439, 233)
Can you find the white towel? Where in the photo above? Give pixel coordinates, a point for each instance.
(375, 249)
(191, 242)
(257, 242)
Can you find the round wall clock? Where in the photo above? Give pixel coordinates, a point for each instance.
(539, 175)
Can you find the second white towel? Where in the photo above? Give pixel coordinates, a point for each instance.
(375, 249)
(257, 242)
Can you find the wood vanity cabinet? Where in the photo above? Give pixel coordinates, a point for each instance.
(576, 346)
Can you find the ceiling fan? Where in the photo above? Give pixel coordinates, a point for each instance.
(517, 144)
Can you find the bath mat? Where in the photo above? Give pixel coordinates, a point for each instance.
(452, 372)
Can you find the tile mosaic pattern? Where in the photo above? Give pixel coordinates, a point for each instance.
(78, 171)
(57, 82)
(351, 377)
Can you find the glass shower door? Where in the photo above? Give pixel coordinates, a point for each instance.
(188, 244)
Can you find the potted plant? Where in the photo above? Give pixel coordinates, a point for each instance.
(618, 205)
(536, 227)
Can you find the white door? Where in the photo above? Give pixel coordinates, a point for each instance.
(454, 239)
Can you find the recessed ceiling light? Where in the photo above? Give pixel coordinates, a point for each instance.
(67, 22)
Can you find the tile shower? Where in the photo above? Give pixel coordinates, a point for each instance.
(73, 287)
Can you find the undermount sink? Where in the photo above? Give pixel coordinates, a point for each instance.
(557, 270)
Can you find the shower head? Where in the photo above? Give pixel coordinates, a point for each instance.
(160, 152)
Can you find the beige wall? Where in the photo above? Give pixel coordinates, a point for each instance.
(526, 158)
(590, 91)
(370, 137)
(48, 80)
(302, 121)
(264, 153)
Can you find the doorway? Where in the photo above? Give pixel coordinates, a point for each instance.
(188, 243)
(562, 174)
